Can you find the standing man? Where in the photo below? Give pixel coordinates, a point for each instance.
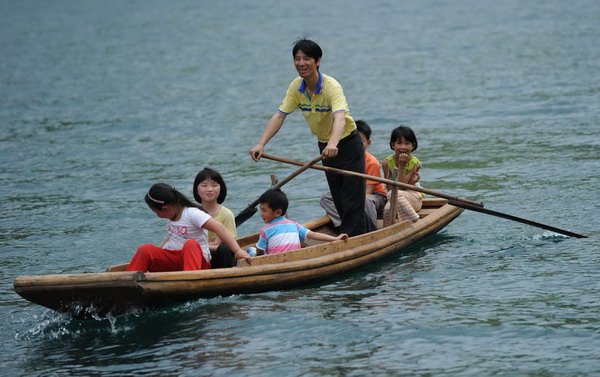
(321, 99)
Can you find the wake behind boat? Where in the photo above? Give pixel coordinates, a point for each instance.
(94, 295)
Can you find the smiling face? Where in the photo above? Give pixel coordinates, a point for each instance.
(402, 146)
(305, 65)
(208, 190)
(268, 214)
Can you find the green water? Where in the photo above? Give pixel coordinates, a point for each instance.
(99, 100)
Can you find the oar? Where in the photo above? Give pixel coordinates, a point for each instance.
(515, 218)
(249, 211)
(376, 179)
(455, 201)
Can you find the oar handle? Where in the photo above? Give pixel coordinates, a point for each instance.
(376, 179)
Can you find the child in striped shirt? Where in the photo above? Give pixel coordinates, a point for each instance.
(282, 234)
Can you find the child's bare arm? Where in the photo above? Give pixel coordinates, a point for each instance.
(413, 176)
(226, 237)
(342, 236)
(386, 173)
(326, 237)
(386, 170)
(370, 189)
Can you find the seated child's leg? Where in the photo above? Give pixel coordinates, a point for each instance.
(371, 202)
(405, 211)
(386, 215)
(192, 257)
(408, 203)
(415, 199)
(380, 202)
(222, 257)
(154, 259)
(141, 260)
(330, 210)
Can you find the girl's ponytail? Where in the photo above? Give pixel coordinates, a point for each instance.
(183, 200)
(161, 194)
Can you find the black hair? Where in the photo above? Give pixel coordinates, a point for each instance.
(403, 132)
(363, 128)
(276, 199)
(310, 48)
(161, 194)
(208, 173)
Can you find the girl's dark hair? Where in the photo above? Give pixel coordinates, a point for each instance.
(208, 173)
(276, 199)
(310, 48)
(161, 194)
(403, 132)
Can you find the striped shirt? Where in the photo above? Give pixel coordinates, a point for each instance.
(281, 235)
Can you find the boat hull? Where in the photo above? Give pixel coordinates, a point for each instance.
(91, 295)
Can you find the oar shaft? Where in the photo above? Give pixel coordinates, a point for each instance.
(453, 200)
(376, 179)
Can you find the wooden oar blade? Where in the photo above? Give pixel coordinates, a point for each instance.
(514, 218)
(243, 216)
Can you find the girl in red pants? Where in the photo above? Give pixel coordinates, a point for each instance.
(186, 247)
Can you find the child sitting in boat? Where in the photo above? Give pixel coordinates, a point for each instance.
(403, 142)
(186, 247)
(210, 191)
(282, 234)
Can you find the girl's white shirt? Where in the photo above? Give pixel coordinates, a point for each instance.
(188, 227)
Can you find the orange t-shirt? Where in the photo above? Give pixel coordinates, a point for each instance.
(372, 167)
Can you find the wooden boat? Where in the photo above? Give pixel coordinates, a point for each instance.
(94, 295)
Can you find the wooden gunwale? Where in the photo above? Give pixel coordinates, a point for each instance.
(114, 291)
(359, 249)
(283, 275)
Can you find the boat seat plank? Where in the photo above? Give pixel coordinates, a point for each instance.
(425, 211)
(433, 202)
